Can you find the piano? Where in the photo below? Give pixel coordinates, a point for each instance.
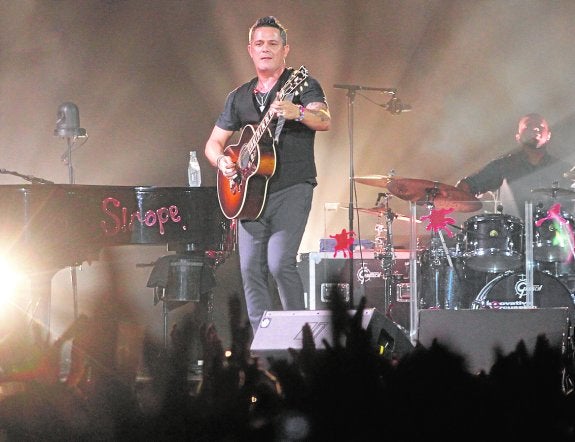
(52, 226)
(47, 227)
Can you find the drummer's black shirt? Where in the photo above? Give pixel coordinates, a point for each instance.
(516, 177)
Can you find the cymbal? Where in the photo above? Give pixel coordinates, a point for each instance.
(555, 192)
(373, 180)
(443, 196)
(379, 211)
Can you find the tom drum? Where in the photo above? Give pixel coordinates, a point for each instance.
(552, 237)
(493, 242)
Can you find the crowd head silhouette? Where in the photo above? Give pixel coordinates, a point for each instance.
(346, 390)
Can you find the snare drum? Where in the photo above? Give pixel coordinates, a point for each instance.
(552, 239)
(442, 286)
(493, 242)
(509, 291)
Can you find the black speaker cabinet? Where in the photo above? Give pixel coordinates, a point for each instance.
(475, 334)
(279, 331)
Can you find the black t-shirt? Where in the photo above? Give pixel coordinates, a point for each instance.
(295, 162)
(516, 178)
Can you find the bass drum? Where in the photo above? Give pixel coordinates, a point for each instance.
(509, 291)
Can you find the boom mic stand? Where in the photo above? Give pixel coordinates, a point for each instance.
(31, 178)
(351, 93)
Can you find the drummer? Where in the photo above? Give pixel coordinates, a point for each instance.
(528, 167)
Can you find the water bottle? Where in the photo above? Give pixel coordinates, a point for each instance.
(194, 172)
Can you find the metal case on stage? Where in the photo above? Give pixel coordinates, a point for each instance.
(325, 275)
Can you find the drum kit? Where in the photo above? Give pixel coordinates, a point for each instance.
(485, 268)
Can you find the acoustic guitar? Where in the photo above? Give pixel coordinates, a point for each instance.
(244, 195)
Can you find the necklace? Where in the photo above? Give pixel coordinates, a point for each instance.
(261, 99)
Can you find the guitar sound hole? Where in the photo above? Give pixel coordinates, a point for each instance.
(244, 160)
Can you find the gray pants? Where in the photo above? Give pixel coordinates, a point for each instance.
(270, 245)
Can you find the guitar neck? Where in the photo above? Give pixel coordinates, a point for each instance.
(266, 120)
(293, 81)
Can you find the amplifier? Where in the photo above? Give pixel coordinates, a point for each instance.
(323, 276)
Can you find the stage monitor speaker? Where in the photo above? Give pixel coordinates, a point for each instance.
(476, 334)
(279, 331)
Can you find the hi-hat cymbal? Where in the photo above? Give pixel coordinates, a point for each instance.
(374, 180)
(443, 196)
(379, 211)
(555, 192)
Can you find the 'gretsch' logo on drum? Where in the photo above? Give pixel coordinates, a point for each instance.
(521, 288)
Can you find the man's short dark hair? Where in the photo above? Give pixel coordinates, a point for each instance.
(270, 22)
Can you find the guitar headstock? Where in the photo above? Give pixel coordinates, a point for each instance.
(294, 82)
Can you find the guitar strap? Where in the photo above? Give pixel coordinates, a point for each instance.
(289, 97)
(281, 121)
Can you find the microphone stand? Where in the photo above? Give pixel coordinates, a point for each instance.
(30, 178)
(67, 158)
(350, 214)
(71, 180)
(68, 126)
(351, 92)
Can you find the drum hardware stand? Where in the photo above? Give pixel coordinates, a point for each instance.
(495, 196)
(529, 262)
(430, 197)
(430, 194)
(568, 353)
(384, 250)
(570, 241)
(436, 251)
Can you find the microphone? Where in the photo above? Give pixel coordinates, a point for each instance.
(395, 106)
(353, 87)
(68, 122)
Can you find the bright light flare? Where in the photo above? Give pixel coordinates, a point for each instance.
(12, 282)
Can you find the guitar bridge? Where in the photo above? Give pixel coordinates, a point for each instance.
(235, 183)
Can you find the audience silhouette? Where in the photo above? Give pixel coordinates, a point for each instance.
(347, 391)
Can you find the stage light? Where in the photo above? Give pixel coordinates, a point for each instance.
(12, 280)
